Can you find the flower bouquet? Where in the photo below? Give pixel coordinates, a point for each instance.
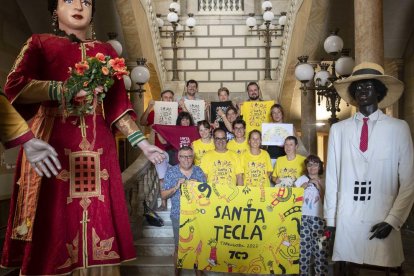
(94, 76)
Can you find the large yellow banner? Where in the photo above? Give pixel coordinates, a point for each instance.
(239, 229)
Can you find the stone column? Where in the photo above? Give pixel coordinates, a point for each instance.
(369, 31)
(308, 121)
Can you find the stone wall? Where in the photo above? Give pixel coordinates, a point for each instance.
(221, 51)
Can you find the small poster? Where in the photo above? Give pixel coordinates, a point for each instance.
(214, 108)
(165, 113)
(275, 134)
(196, 109)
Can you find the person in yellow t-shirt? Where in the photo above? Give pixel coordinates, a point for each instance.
(239, 144)
(289, 167)
(221, 166)
(204, 144)
(256, 163)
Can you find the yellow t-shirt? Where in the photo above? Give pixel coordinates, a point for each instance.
(200, 148)
(238, 148)
(256, 168)
(221, 168)
(255, 113)
(289, 171)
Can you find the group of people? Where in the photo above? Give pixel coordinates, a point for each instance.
(76, 222)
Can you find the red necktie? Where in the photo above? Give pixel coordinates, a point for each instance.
(363, 142)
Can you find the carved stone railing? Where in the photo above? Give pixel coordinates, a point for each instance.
(220, 7)
(152, 20)
(140, 183)
(281, 67)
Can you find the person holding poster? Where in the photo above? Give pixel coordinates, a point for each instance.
(313, 242)
(255, 111)
(289, 167)
(174, 178)
(221, 165)
(219, 107)
(256, 164)
(204, 144)
(239, 144)
(276, 112)
(227, 121)
(147, 119)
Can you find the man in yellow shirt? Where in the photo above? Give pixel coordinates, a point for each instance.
(222, 166)
(239, 144)
(289, 167)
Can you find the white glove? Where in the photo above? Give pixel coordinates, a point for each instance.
(38, 153)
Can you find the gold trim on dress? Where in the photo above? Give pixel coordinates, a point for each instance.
(100, 247)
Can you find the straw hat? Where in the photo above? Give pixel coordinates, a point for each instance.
(369, 70)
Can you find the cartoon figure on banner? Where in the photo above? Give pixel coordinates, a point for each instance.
(198, 251)
(283, 195)
(226, 197)
(230, 266)
(213, 253)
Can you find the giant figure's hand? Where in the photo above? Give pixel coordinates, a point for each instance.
(83, 93)
(380, 230)
(153, 153)
(39, 153)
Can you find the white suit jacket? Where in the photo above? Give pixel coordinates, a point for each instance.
(363, 189)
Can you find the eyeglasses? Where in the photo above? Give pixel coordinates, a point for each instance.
(186, 156)
(238, 128)
(312, 164)
(220, 139)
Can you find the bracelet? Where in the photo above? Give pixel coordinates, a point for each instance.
(55, 90)
(135, 138)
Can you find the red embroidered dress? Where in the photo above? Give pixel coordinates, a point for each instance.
(81, 217)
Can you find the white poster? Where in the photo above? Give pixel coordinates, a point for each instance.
(165, 113)
(196, 109)
(275, 134)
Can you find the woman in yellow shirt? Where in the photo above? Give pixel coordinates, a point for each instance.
(256, 163)
(239, 144)
(204, 144)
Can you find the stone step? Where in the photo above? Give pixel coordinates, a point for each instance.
(154, 246)
(165, 215)
(159, 266)
(149, 266)
(149, 231)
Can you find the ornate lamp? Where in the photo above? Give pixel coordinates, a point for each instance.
(322, 81)
(268, 31)
(176, 32)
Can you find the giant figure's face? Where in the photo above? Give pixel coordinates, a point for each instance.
(74, 15)
(365, 93)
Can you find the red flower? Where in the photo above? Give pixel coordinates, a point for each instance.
(100, 57)
(118, 64)
(119, 74)
(81, 67)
